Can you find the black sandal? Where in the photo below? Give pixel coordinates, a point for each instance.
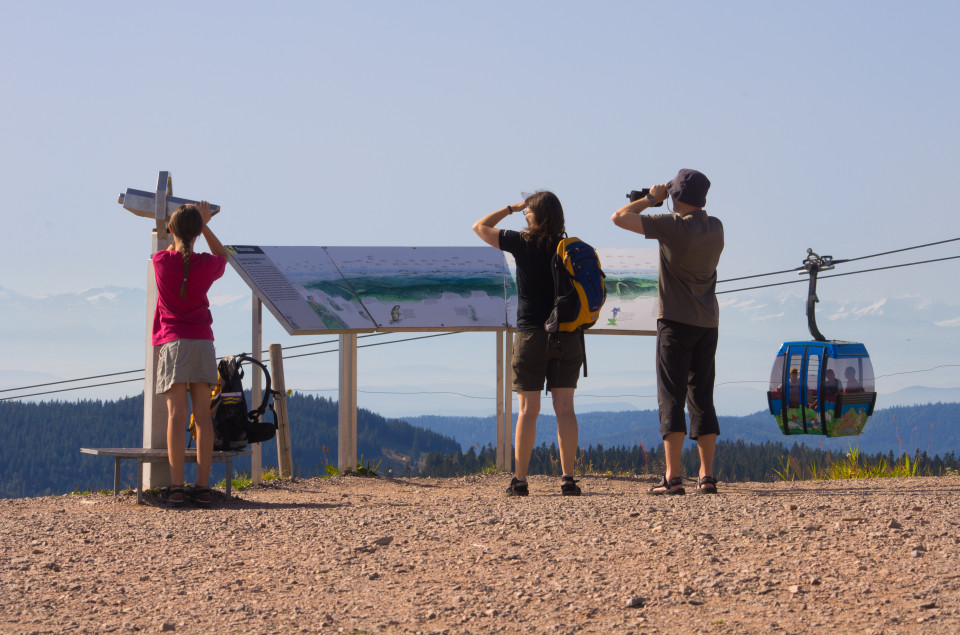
(200, 496)
(517, 488)
(167, 495)
(706, 485)
(673, 487)
(569, 487)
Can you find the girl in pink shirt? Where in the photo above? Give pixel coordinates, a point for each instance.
(182, 327)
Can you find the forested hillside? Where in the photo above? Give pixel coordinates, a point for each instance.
(40, 452)
(734, 460)
(931, 428)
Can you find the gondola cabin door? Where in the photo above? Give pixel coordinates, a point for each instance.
(824, 388)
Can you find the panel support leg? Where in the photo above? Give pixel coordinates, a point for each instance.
(347, 406)
(505, 400)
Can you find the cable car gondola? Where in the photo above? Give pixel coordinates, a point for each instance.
(821, 387)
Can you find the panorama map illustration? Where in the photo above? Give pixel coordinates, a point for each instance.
(354, 289)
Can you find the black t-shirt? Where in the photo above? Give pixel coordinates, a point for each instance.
(534, 278)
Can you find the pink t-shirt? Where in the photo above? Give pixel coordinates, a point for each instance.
(186, 318)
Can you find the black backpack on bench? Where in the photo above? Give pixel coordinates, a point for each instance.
(234, 427)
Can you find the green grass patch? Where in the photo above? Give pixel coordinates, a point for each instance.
(242, 480)
(851, 465)
(80, 492)
(362, 469)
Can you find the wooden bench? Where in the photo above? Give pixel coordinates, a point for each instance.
(158, 455)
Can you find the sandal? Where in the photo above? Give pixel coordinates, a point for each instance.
(673, 487)
(517, 488)
(201, 496)
(569, 487)
(707, 485)
(172, 495)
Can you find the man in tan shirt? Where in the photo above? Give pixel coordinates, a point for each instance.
(688, 317)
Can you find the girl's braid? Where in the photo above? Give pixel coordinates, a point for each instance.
(186, 223)
(186, 268)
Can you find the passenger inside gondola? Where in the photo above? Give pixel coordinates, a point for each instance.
(852, 384)
(793, 392)
(831, 386)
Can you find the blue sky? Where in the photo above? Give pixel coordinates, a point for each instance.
(821, 124)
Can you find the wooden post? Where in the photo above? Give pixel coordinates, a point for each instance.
(256, 393)
(284, 450)
(500, 391)
(505, 388)
(154, 405)
(347, 406)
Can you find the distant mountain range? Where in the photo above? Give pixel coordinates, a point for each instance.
(102, 331)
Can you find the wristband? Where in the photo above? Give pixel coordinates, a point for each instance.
(650, 197)
(510, 209)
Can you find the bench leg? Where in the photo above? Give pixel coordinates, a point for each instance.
(116, 476)
(139, 481)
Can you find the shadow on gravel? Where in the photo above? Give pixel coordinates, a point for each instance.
(220, 502)
(845, 491)
(628, 479)
(245, 504)
(397, 481)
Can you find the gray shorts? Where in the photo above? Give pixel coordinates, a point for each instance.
(186, 361)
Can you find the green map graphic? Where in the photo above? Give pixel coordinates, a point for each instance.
(412, 288)
(631, 288)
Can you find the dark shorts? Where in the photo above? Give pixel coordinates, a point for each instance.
(686, 373)
(539, 356)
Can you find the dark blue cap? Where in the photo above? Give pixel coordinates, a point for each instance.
(690, 187)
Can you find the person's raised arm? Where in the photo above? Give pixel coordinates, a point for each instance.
(486, 227)
(628, 217)
(216, 247)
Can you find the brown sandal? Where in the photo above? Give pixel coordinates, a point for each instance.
(707, 485)
(201, 496)
(172, 496)
(673, 487)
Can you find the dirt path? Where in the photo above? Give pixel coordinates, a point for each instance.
(361, 555)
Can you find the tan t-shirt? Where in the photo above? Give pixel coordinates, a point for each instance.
(690, 248)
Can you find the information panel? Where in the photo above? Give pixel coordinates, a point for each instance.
(272, 273)
(361, 289)
(631, 285)
(426, 287)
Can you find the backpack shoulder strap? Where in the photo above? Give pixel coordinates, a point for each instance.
(268, 390)
(583, 348)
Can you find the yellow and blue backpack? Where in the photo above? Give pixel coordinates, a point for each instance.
(579, 292)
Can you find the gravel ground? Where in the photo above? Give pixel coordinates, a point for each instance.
(364, 555)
